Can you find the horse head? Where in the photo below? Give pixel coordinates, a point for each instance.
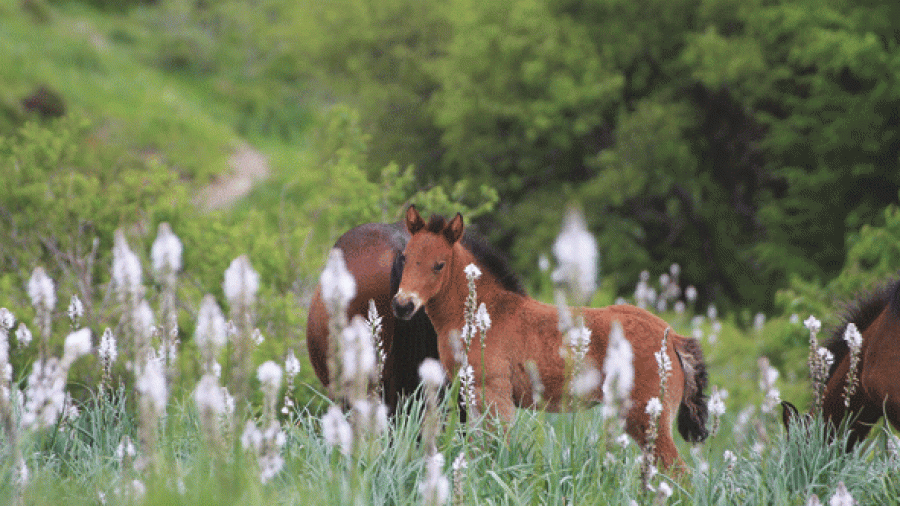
(429, 251)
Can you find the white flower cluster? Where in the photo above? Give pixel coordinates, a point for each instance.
(45, 396)
(41, 290)
(338, 285)
(166, 251)
(126, 268)
(357, 350)
(435, 489)
(767, 377)
(241, 283)
(576, 252)
(618, 370)
(212, 329)
(151, 384)
(337, 430)
(266, 444)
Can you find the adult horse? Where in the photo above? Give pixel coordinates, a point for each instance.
(877, 317)
(524, 330)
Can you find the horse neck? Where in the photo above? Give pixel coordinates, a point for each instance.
(447, 309)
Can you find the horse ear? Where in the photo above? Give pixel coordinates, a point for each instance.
(414, 221)
(454, 229)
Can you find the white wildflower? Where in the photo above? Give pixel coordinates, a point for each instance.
(663, 361)
(812, 323)
(77, 343)
(269, 374)
(257, 337)
(126, 267)
(209, 395)
(436, 487)
(690, 293)
(716, 402)
(711, 312)
(432, 373)
(472, 272)
(813, 501)
(152, 385)
(291, 364)
(825, 356)
(166, 250)
(45, 395)
(654, 407)
(107, 349)
(482, 318)
(665, 490)
(759, 321)
(338, 285)
(144, 321)
(211, 326)
(23, 335)
(618, 366)
(576, 252)
(336, 430)
(841, 496)
(460, 463)
(125, 449)
(852, 336)
(585, 382)
(729, 457)
(358, 350)
(241, 282)
(76, 308)
(7, 320)
(42, 290)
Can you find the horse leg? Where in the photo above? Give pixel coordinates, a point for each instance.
(637, 425)
(496, 398)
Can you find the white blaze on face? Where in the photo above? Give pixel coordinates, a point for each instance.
(404, 297)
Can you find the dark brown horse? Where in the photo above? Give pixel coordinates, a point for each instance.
(877, 317)
(525, 330)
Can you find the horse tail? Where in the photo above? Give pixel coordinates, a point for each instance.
(693, 412)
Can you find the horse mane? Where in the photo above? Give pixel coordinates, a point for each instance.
(487, 255)
(862, 311)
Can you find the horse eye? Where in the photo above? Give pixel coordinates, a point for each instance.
(438, 266)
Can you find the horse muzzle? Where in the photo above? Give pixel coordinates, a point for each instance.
(405, 304)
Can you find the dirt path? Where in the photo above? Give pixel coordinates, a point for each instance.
(247, 166)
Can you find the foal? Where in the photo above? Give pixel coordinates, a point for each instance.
(524, 330)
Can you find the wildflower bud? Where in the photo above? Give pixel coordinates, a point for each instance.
(241, 282)
(338, 285)
(576, 251)
(77, 344)
(432, 373)
(166, 251)
(291, 365)
(76, 308)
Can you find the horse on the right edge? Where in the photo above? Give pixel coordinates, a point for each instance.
(877, 316)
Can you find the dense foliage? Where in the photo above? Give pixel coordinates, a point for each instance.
(744, 141)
